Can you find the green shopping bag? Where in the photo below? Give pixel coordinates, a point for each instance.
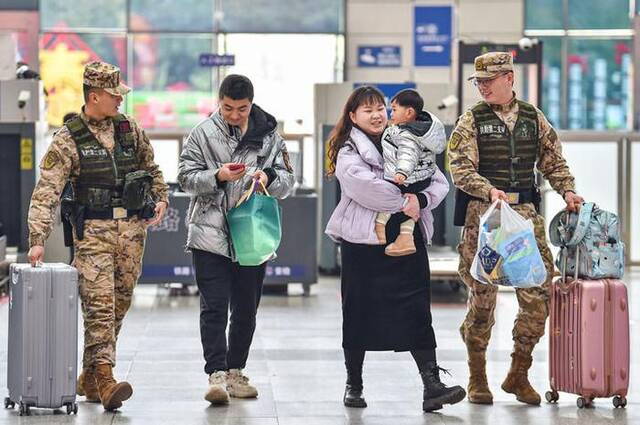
(254, 224)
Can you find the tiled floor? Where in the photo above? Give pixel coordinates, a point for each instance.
(297, 365)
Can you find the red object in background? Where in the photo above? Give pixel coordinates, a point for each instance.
(621, 49)
(583, 61)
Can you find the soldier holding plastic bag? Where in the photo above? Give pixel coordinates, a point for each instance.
(493, 153)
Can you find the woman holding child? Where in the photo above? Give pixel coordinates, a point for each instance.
(386, 298)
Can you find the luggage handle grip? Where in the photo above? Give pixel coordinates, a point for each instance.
(563, 284)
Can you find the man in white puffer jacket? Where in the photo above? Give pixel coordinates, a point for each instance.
(409, 146)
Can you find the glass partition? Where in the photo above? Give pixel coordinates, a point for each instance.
(166, 154)
(62, 60)
(283, 86)
(170, 89)
(171, 15)
(598, 14)
(62, 15)
(268, 16)
(595, 168)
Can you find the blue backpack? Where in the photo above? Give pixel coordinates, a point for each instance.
(593, 235)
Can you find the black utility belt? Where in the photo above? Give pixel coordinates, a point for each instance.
(114, 213)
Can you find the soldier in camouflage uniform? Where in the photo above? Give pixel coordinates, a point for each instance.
(95, 151)
(492, 152)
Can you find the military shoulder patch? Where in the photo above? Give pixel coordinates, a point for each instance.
(287, 162)
(124, 126)
(50, 160)
(454, 141)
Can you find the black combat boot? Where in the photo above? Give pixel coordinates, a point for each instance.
(435, 392)
(353, 390)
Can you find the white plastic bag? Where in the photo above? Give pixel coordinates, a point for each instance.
(507, 252)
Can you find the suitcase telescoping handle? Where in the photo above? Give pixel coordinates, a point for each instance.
(563, 284)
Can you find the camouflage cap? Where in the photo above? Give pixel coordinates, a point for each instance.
(491, 65)
(105, 76)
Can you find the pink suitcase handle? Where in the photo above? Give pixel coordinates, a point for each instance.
(563, 284)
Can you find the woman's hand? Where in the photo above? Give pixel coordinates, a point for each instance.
(412, 206)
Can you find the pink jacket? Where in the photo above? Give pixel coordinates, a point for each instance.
(360, 171)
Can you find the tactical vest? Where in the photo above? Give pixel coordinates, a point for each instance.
(100, 183)
(507, 158)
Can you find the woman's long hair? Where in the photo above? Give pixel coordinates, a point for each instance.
(363, 95)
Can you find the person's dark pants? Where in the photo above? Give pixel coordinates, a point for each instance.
(223, 284)
(354, 359)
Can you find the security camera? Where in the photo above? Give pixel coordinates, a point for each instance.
(448, 102)
(23, 72)
(526, 43)
(23, 97)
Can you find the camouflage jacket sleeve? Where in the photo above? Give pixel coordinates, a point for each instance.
(551, 163)
(464, 158)
(159, 189)
(55, 169)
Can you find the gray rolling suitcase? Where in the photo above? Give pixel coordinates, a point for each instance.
(43, 337)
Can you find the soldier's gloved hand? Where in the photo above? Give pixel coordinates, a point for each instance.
(161, 208)
(36, 254)
(498, 194)
(573, 201)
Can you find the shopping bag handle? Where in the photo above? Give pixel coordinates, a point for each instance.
(251, 190)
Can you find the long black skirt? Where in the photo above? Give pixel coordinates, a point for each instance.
(386, 301)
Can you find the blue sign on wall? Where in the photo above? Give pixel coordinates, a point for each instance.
(379, 56)
(432, 35)
(213, 59)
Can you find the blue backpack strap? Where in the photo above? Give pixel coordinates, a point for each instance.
(584, 218)
(560, 234)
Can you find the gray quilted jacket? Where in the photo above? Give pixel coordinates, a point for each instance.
(411, 148)
(213, 143)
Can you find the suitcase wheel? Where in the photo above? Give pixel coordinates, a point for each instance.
(551, 396)
(8, 404)
(582, 402)
(72, 408)
(23, 409)
(619, 402)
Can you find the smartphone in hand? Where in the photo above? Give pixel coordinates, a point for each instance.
(236, 167)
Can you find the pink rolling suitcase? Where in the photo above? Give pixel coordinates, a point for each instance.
(589, 340)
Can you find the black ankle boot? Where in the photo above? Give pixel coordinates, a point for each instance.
(353, 389)
(435, 392)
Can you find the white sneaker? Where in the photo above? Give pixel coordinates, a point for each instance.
(238, 385)
(217, 391)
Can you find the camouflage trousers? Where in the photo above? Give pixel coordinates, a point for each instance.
(109, 261)
(533, 302)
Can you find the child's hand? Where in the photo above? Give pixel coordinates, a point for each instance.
(399, 178)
